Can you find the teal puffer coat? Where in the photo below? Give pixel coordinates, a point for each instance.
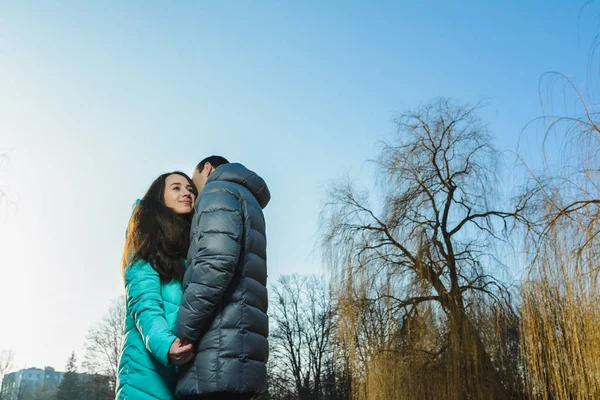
(144, 369)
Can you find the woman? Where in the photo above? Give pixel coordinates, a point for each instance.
(153, 265)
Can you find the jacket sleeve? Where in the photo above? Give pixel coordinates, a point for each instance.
(144, 300)
(217, 235)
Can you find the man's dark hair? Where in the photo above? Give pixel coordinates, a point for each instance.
(215, 161)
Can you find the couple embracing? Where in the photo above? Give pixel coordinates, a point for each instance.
(195, 273)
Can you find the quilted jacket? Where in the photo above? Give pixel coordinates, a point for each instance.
(224, 306)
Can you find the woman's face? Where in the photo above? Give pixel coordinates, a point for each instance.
(178, 194)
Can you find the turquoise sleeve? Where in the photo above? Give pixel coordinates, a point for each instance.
(143, 288)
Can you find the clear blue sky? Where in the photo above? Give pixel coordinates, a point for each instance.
(99, 98)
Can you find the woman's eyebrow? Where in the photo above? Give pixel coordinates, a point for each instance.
(175, 183)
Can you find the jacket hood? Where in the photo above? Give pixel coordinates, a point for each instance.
(237, 173)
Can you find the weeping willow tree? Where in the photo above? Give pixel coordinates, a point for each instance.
(560, 309)
(420, 308)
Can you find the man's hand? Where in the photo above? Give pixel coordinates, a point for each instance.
(181, 352)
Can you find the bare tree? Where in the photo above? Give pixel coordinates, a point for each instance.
(104, 342)
(6, 364)
(302, 315)
(428, 252)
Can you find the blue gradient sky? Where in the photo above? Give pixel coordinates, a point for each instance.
(98, 98)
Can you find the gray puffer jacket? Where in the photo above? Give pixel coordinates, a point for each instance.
(225, 296)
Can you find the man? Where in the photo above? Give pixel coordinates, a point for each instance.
(224, 305)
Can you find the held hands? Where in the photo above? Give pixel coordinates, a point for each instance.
(181, 352)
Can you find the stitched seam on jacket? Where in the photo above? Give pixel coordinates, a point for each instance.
(245, 289)
(225, 188)
(252, 175)
(219, 346)
(221, 310)
(195, 375)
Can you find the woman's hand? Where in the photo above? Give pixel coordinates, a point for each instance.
(181, 352)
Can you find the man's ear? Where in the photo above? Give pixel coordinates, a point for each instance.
(208, 169)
